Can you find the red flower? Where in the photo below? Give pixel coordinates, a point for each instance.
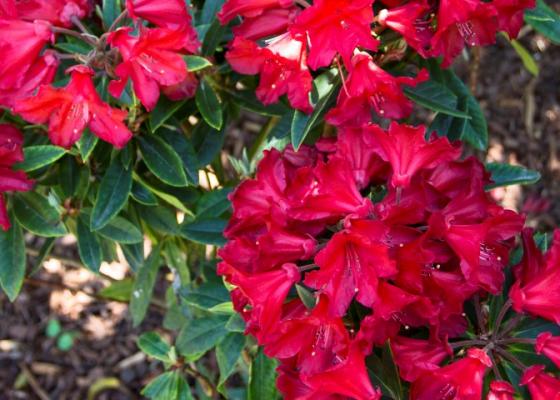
(70, 109)
(500, 390)
(510, 14)
(336, 26)
(463, 21)
(150, 60)
(549, 346)
(23, 41)
(349, 378)
(541, 385)
(249, 8)
(462, 379)
(271, 22)
(57, 12)
(11, 153)
(412, 21)
(369, 87)
(282, 66)
(416, 356)
(532, 262)
(540, 294)
(351, 264)
(406, 149)
(172, 14)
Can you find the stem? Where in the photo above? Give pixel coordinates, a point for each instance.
(308, 267)
(478, 311)
(510, 325)
(118, 20)
(501, 315)
(342, 78)
(463, 343)
(495, 368)
(303, 3)
(511, 358)
(77, 35)
(517, 340)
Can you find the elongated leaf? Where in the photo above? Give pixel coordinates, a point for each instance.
(161, 219)
(36, 157)
(205, 231)
(505, 175)
(545, 20)
(155, 346)
(34, 213)
(121, 231)
(436, 97)
(200, 335)
(207, 143)
(142, 194)
(228, 352)
(144, 286)
(248, 101)
(184, 148)
(207, 296)
(196, 63)
(213, 204)
(168, 198)
(213, 37)
(89, 247)
(163, 161)
(113, 194)
(262, 380)
(528, 60)
(12, 260)
(209, 105)
(164, 387)
(111, 10)
(164, 110)
(87, 144)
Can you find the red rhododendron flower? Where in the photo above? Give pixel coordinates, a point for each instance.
(336, 27)
(150, 60)
(541, 385)
(510, 14)
(271, 22)
(172, 14)
(415, 356)
(57, 12)
(249, 8)
(70, 109)
(540, 294)
(23, 41)
(532, 262)
(549, 346)
(405, 148)
(500, 390)
(462, 379)
(368, 88)
(463, 21)
(11, 153)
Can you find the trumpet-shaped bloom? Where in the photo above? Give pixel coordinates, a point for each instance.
(541, 385)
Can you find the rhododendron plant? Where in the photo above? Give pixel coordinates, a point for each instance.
(312, 175)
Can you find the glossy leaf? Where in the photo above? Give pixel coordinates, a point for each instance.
(144, 286)
(205, 231)
(164, 110)
(36, 157)
(209, 105)
(35, 213)
(207, 296)
(228, 352)
(121, 231)
(164, 387)
(89, 247)
(436, 97)
(111, 10)
(545, 20)
(142, 194)
(506, 174)
(196, 63)
(162, 160)
(199, 335)
(152, 344)
(12, 260)
(262, 379)
(528, 60)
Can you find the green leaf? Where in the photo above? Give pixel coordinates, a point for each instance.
(65, 342)
(262, 379)
(164, 110)
(307, 297)
(209, 105)
(247, 100)
(545, 20)
(213, 204)
(152, 344)
(164, 387)
(168, 198)
(142, 194)
(121, 231)
(228, 352)
(162, 160)
(196, 63)
(205, 231)
(12, 260)
(34, 213)
(89, 247)
(118, 290)
(144, 286)
(236, 323)
(213, 37)
(111, 10)
(113, 194)
(53, 328)
(134, 255)
(199, 335)
(436, 97)
(207, 143)
(185, 150)
(36, 157)
(506, 174)
(207, 296)
(210, 10)
(69, 174)
(324, 92)
(528, 60)
(160, 218)
(87, 144)
(385, 373)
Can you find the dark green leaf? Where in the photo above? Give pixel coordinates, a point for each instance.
(385, 373)
(144, 286)
(69, 173)
(35, 214)
(209, 105)
(185, 150)
(121, 231)
(142, 194)
(306, 296)
(160, 218)
(87, 144)
(12, 260)
(210, 10)
(207, 296)
(200, 335)
(152, 344)
(247, 100)
(111, 10)
(162, 160)
(39, 156)
(207, 143)
(506, 174)
(228, 352)
(164, 387)
(134, 255)
(436, 97)
(113, 194)
(545, 20)
(213, 204)
(89, 247)
(236, 323)
(196, 63)
(205, 231)
(164, 110)
(262, 379)
(213, 37)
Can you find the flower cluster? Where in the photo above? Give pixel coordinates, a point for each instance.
(385, 234)
(151, 57)
(300, 37)
(11, 153)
